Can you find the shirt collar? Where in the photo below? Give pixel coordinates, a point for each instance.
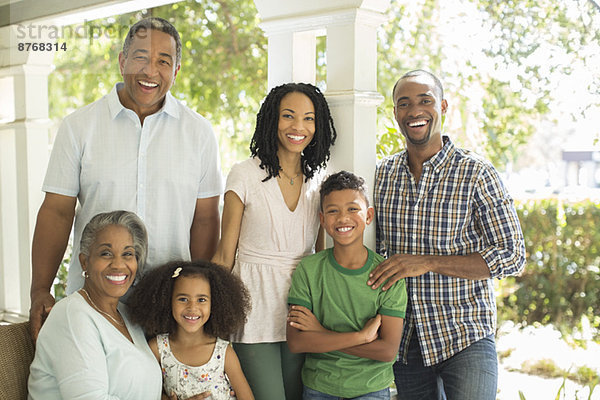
(115, 106)
(438, 159)
(170, 106)
(443, 155)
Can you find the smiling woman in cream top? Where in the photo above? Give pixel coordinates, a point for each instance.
(270, 220)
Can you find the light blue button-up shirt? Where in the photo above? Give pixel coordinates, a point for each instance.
(109, 161)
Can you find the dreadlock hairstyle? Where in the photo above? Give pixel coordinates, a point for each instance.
(150, 303)
(264, 143)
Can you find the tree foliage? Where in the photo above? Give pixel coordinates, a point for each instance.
(547, 40)
(224, 73)
(561, 282)
(500, 63)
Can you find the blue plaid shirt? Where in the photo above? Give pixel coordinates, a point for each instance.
(459, 206)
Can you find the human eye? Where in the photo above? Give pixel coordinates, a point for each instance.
(202, 300)
(182, 299)
(402, 104)
(165, 62)
(332, 211)
(105, 253)
(309, 118)
(129, 253)
(287, 116)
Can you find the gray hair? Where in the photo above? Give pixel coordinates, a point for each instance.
(157, 24)
(125, 219)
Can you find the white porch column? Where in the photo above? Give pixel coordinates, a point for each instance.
(352, 93)
(351, 29)
(292, 56)
(24, 126)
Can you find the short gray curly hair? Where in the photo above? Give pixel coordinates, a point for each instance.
(158, 24)
(127, 220)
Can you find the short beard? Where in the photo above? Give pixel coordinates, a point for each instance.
(419, 142)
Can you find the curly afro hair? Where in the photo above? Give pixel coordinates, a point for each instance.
(264, 143)
(150, 302)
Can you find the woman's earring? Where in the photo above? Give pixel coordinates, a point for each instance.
(84, 273)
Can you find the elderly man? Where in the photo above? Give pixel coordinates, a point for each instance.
(137, 149)
(448, 226)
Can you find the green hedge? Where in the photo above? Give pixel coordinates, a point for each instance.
(561, 281)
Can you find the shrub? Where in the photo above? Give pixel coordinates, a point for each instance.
(561, 281)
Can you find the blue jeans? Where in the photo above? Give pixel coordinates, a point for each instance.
(471, 374)
(311, 394)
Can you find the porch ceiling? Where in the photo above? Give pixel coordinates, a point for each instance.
(65, 12)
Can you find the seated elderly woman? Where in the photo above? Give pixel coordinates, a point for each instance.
(87, 348)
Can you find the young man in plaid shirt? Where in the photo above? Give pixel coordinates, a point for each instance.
(447, 224)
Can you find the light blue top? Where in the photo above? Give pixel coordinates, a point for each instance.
(80, 355)
(108, 160)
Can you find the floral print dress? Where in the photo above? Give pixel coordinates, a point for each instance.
(188, 381)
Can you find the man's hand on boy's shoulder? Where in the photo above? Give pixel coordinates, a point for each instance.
(303, 319)
(397, 267)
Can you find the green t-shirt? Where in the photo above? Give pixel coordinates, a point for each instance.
(343, 302)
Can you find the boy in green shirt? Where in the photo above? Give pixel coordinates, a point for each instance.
(350, 332)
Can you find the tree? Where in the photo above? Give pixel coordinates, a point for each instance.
(497, 72)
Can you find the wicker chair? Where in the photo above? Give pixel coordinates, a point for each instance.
(16, 354)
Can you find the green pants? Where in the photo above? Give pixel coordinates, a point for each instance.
(273, 372)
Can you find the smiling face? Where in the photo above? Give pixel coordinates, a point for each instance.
(296, 126)
(111, 263)
(345, 216)
(148, 71)
(191, 303)
(418, 109)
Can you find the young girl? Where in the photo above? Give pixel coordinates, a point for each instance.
(189, 308)
(271, 221)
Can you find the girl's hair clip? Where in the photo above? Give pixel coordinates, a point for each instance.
(176, 273)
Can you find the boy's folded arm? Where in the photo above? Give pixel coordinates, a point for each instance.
(385, 347)
(321, 341)
(305, 334)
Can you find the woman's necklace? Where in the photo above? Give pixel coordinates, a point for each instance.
(290, 178)
(100, 311)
